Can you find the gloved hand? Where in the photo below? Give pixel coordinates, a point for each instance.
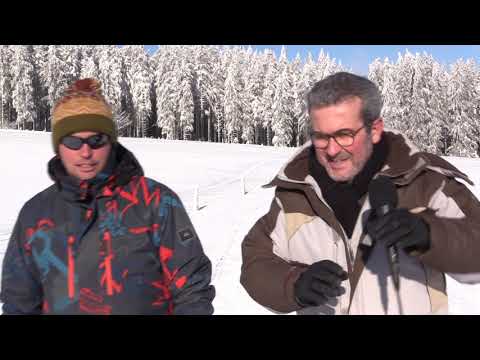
(320, 282)
(401, 228)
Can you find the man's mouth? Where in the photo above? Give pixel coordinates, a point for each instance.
(86, 167)
(338, 162)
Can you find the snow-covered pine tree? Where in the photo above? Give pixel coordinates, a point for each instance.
(326, 66)
(282, 115)
(424, 112)
(6, 86)
(297, 100)
(220, 77)
(259, 73)
(206, 59)
(389, 94)
(56, 75)
(231, 96)
(376, 73)
(112, 78)
(250, 80)
(400, 78)
(439, 103)
(268, 95)
(73, 56)
(254, 87)
(184, 85)
(308, 77)
(41, 92)
(23, 86)
(242, 129)
(139, 82)
(89, 62)
(463, 101)
(167, 62)
(174, 82)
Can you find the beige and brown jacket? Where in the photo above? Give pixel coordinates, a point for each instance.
(300, 229)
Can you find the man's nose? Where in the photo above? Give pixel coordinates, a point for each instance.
(333, 148)
(85, 151)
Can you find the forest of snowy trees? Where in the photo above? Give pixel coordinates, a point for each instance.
(235, 94)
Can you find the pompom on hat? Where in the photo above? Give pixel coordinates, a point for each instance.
(82, 108)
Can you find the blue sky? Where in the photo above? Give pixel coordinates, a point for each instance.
(358, 57)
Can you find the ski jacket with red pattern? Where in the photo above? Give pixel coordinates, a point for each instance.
(118, 244)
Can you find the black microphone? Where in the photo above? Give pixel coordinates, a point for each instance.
(383, 198)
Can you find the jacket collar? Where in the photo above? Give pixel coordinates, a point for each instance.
(121, 167)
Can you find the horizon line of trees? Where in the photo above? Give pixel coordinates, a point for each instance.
(235, 94)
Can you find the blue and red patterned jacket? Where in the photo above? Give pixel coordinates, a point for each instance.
(118, 244)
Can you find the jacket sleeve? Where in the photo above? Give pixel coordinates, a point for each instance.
(186, 268)
(21, 293)
(266, 277)
(454, 221)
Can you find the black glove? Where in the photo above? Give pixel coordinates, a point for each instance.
(401, 228)
(319, 282)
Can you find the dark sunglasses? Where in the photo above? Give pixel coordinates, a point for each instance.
(95, 141)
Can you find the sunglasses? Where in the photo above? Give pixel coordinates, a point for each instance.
(95, 141)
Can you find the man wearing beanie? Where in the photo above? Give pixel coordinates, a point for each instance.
(103, 239)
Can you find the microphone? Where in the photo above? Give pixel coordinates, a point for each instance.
(383, 198)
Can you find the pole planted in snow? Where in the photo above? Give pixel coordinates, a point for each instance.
(195, 198)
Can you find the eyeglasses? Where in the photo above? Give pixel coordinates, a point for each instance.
(95, 141)
(342, 137)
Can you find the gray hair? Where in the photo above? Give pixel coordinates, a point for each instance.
(342, 86)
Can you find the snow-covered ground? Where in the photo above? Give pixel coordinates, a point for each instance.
(219, 174)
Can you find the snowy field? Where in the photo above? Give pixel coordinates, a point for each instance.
(218, 183)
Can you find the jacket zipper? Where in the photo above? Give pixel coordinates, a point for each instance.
(108, 262)
(71, 268)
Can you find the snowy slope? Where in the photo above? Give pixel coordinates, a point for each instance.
(225, 214)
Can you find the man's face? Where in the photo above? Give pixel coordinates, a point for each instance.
(344, 163)
(84, 163)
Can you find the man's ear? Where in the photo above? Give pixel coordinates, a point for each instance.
(377, 130)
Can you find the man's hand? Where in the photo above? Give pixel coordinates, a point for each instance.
(320, 282)
(401, 228)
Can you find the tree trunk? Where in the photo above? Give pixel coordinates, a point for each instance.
(202, 126)
(209, 126)
(1, 109)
